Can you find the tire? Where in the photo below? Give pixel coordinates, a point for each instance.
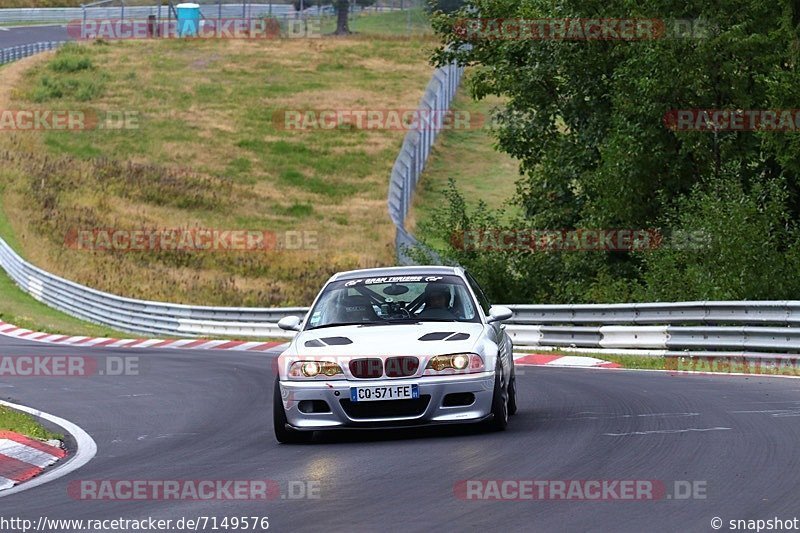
(283, 434)
(512, 395)
(499, 421)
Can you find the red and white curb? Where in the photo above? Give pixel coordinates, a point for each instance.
(22, 458)
(573, 361)
(10, 330)
(85, 450)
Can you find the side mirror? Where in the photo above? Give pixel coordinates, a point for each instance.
(290, 323)
(498, 313)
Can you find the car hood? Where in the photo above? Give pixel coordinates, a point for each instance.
(429, 338)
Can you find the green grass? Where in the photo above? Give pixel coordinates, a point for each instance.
(640, 362)
(467, 156)
(411, 22)
(208, 152)
(398, 23)
(206, 109)
(22, 310)
(11, 420)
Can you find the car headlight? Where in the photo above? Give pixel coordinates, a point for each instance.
(315, 369)
(455, 363)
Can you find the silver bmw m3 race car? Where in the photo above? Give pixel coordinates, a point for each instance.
(395, 347)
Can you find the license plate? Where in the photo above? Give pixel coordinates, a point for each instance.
(388, 392)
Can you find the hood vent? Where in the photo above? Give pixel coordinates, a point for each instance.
(328, 341)
(444, 336)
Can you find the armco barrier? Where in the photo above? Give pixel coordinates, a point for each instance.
(15, 53)
(781, 313)
(140, 316)
(560, 325)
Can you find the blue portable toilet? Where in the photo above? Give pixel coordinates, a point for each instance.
(188, 19)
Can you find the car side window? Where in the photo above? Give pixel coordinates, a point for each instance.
(483, 301)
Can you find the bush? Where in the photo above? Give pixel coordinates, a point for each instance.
(70, 63)
(72, 76)
(750, 251)
(722, 242)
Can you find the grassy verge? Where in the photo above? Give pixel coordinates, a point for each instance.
(209, 153)
(304, 161)
(468, 157)
(397, 23)
(22, 310)
(11, 420)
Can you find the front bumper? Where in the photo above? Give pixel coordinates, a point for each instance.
(390, 413)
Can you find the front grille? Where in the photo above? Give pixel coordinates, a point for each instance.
(386, 408)
(400, 367)
(366, 368)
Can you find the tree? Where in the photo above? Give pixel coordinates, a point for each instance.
(341, 7)
(586, 120)
(342, 21)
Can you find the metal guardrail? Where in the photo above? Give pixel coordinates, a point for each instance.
(768, 326)
(15, 53)
(414, 154)
(565, 325)
(141, 316)
(560, 325)
(780, 313)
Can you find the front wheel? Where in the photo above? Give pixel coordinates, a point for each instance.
(283, 434)
(512, 395)
(499, 421)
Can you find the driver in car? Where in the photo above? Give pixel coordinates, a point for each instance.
(437, 298)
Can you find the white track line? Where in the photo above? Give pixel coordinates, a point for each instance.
(87, 449)
(664, 431)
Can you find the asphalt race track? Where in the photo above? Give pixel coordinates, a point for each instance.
(206, 415)
(11, 36)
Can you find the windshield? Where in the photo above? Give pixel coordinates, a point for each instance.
(394, 300)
